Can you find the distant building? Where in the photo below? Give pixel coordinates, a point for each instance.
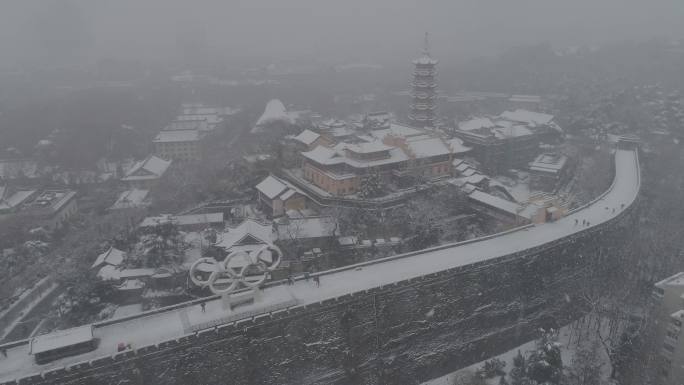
(669, 312)
(277, 196)
(510, 140)
(178, 145)
(549, 171)
(146, 173)
(533, 102)
(49, 209)
(11, 169)
(399, 153)
(377, 120)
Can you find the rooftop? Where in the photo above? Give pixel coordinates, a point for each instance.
(112, 257)
(307, 137)
(273, 187)
(62, 338)
(173, 136)
(528, 117)
(549, 162)
(131, 199)
(149, 168)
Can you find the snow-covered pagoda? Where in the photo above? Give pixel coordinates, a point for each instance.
(424, 90)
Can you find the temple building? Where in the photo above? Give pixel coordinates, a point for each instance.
(424, 90)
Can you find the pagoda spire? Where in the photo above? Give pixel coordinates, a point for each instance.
(424, 89)
(426, 45)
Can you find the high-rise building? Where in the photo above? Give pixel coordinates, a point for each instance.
(424, 90)
(669, 312)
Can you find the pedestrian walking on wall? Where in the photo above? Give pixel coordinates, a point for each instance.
(317, 280)
(203, 305)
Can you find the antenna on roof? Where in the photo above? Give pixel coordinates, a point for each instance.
(426, 45)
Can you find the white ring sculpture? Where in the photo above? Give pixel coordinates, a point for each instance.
(226, 277)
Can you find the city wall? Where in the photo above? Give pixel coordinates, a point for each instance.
(402, 333)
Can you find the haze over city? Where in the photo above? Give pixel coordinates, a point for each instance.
(379, 192)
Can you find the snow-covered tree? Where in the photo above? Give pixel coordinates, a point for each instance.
(371, 185)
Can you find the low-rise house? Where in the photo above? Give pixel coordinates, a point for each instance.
(111, 257)
(49, 209)
(12, 199)
(310, 139)
(504, 145)
(277, 196)
(498, 208)
(249, 236)
(132, 199)
(146, 173)
(549, 171)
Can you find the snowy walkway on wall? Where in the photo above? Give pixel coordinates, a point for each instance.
(154, 328)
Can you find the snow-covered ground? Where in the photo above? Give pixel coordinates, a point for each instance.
(171, 324)
(568, 345)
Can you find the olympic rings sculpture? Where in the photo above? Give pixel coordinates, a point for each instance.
(239, 269)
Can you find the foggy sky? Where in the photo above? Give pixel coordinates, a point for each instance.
(321, 30)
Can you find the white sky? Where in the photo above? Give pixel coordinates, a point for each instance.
(343, 29)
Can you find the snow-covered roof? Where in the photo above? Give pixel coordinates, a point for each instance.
(136, 273)
(174, 136)
(550, 163)
(511, 131)
(495, 202)
(457, 146)
(529, 117)
(15, 199)
(307, 137)
(131, 199)
(271, 187)
(367, 147)
(151, 167)
(328, 156)
(61, 339)
(109, 273)
(398, 130)
(260, 232)
(275, 111)
(427, 147)
(475, 124)
(131, 284)
(112, 257)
